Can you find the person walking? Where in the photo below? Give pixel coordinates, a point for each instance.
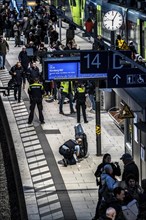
(24, 59)
(89, 26)
(33, 72)
(4, 47)
(17, 73)
(70, 33)
(36, 92)
(80, 98)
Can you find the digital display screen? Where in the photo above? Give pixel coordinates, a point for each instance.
(57, 69)
(62, 70)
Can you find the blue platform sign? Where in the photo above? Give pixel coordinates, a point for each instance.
(126, 78)
(66, 69)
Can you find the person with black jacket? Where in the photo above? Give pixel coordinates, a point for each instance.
(18, 75)
(116, 202)
(129, 167)
(80, 98)
(70, 150)
(33, 72)
(36, 92)
(24, 59)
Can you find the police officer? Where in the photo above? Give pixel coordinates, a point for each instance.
(36, 92)
(80, 97)
(66, 88)
(70, 150)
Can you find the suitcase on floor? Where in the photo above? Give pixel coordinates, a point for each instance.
(79, 133)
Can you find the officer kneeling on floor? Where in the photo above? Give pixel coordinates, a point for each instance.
(70, 150)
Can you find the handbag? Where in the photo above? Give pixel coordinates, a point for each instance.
(12, 83)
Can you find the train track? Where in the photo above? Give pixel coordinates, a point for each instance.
(9, 207)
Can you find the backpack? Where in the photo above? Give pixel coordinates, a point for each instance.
(130, 211)
(12, 83)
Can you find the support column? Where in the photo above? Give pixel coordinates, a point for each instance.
(98, 123)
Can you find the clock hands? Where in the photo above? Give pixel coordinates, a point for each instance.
(114, 18)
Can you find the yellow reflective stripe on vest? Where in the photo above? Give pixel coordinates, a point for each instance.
(120, 43)
(81, 90)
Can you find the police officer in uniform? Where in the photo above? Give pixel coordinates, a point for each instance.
(36, 92)
(80, 97)
(70, 150)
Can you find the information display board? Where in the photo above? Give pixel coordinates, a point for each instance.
(66, 68)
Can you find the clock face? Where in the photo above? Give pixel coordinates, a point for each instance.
(112, 20)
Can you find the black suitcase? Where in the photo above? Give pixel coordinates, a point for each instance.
(79, 133)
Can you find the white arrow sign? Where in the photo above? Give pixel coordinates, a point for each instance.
(117, 77)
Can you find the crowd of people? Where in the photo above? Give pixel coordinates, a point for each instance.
(120, 200)
(33, 29)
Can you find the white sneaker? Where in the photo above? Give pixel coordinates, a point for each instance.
(92, 111)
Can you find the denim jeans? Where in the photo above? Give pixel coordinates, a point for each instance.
(92, 101)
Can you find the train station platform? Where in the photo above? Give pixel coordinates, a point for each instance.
(52, 191)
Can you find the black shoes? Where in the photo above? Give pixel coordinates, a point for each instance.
(72, 112)
(61, 112)
(65, 162)
(30, 122)
(84, 122)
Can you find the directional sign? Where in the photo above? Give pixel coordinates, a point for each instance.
(101, 61)
(126, 78)
(94, 62)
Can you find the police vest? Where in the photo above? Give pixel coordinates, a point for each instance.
(81, 90)
(122, 45)
(65, 86)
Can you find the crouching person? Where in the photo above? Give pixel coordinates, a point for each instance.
(70, 150)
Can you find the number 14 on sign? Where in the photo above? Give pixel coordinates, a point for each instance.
(92, 61)
(95, 62)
